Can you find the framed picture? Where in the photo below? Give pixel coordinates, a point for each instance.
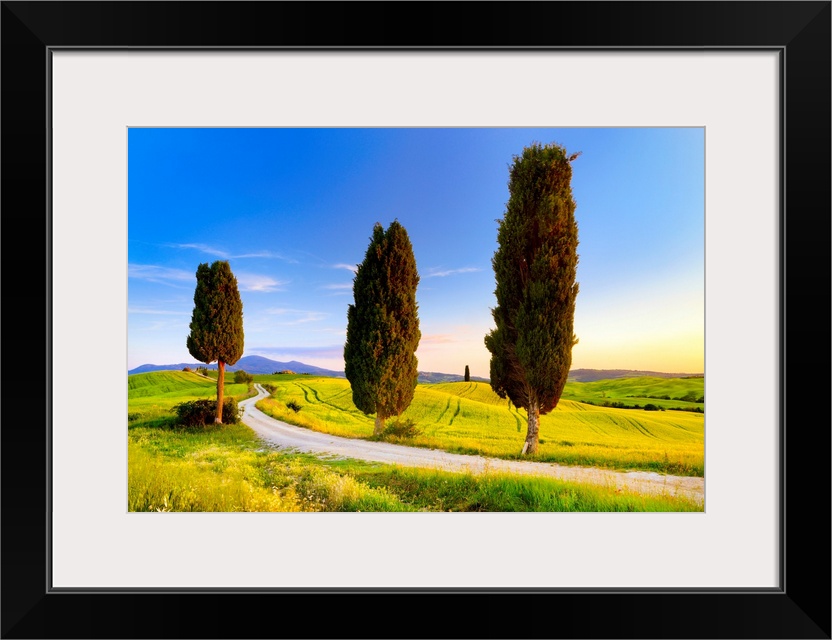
(755, 76)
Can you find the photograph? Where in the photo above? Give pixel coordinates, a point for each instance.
(416, 304)
(416, 319)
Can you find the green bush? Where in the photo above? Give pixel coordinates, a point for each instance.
(401, 429)
(294, 406)
(203, 412)
(241, 377)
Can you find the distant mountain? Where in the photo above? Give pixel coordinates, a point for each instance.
(259, 364)
(145, 368)
(249, 364)
(591, 375)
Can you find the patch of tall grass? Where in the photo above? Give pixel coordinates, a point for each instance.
(200, 482)
(444, 491)
(226, 468)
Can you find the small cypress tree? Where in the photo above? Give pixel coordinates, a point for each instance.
(217, 321)
(467, 374)
(383, 327)
(535, 267)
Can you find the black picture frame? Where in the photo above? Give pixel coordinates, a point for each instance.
(799, 608)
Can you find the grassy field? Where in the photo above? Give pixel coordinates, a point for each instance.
(667, 393)
(227, 468)
(157, 392)
(468, 417)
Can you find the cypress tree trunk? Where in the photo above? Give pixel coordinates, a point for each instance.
(220, 389)
(533, 431)
(379, 426)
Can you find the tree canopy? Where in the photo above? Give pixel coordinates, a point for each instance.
(535, 267)
(383, 326)
(217, 321)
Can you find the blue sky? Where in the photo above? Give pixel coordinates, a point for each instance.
(292, 210)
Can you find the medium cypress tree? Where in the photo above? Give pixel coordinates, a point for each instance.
(467, 374)
(383, 327)
(535, 267)
(217, 321)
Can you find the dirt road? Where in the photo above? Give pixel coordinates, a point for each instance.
(288, 436)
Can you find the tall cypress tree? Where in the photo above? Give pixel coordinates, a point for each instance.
(217, 321)
(467, 374)
(383, 326)
(535, 267)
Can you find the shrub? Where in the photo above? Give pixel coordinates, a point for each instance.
(203, 412)
(294, 406)
(400, 429)
(241, 377)
(693, 409)
(268, 386)
(650, 407)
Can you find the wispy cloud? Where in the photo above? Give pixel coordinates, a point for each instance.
(439, 272)
(160, 275)
(344, 286)
(265, 254)
(260, 283)
(297, 316)
(227, 255)
(203, 248)
(332, 351)
(348, 267)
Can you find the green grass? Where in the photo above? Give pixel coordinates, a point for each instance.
(161, 383)
(156, 392)
(227, 468)
(468, 417)
(444, 491)
(639, 390)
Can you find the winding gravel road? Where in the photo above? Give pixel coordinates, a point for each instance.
(286, 436)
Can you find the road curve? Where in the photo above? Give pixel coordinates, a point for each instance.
(286, 436)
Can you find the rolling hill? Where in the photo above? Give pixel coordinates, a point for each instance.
(262, 365)
(591, 375)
